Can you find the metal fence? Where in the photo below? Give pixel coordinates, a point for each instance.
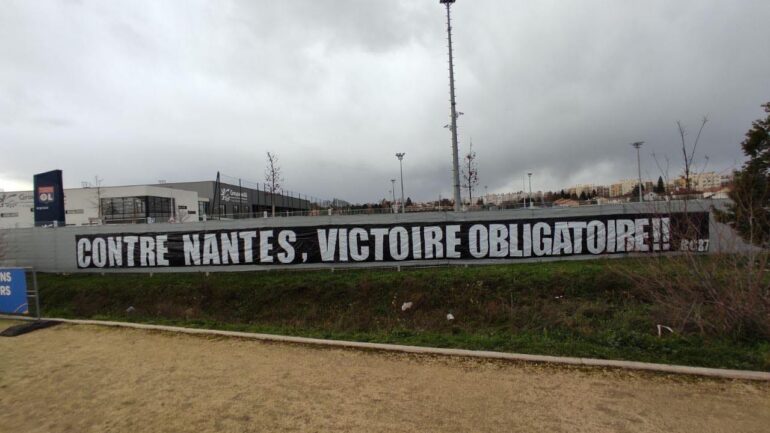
(355, 210)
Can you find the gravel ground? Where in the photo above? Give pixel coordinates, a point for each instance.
(75, 378)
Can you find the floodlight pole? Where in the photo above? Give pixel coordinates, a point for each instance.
(530, 189)
(393, 190)
(453, 125)
(637, 145)
(400, 157)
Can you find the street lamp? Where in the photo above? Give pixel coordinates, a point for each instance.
(393, 190)
(400, 157)
(530, 189)
(454, 114)
(637, 145)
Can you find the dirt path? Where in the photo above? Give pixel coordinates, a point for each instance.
(89, 379)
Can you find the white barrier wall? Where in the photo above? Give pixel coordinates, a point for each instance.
(76, 249)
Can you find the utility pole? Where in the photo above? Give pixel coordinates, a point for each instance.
(530, 189)
(637, 145)
(393, 190)
(400, 157)
(453, 125)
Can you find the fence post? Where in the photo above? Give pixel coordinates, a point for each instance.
(37, 293)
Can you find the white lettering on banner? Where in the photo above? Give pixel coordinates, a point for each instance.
(343, 235)
(147, 250)
(433, 247)
(265, 246)
(210, 249)
(399, 243)
(327, 242)
(596, 237)
(6, 277)
(285, 240)
(513, 234)
(625, 235)
(414, 242)
(640, 235)
(248, 245)
(83, 247)
(379, 240)
(357, 252)
(115, 251)
(498, 240)
(192, 250)
(99, 252)
(161, 249)
(666, 231)
(562, 243)
(611, 236)
(527, 239)
(577, 244)
(478, 242)
(130, 242)
(229, 243)
(452, 241)
(541, 241)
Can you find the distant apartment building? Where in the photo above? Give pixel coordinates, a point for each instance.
(703, 181)
(602, 191)
(626, 186)
(623, 187)
(589, 189)
(727, 179)
(580, 188)
(506, 197)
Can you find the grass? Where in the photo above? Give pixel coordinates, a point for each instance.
(571, 308)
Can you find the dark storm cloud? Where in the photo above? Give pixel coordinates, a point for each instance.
(137, 91)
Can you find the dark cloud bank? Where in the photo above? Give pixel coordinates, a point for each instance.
(137, 91)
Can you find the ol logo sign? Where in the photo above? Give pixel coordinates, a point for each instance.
(45, 194)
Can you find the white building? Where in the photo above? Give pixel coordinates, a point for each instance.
(107, 205)
(587, 188)
(507, 197)
(705, 181)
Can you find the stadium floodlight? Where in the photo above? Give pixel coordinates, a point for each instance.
(637, 145)
(530, 189)
(453, 114)
(400, 157)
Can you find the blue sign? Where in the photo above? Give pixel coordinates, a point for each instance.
(49, 199)
(13, 291)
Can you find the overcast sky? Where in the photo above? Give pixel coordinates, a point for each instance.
(136, 91)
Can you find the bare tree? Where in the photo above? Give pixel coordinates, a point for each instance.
(97, 185)
(470, 172)
(689, 154)
(273, 177)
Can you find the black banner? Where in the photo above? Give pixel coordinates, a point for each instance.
(335, 244)
(49, 198)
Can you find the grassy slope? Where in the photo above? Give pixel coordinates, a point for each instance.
(565, 308)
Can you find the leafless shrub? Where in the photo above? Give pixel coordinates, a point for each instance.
(723, 293)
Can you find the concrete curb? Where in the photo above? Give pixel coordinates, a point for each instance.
(628, 365)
